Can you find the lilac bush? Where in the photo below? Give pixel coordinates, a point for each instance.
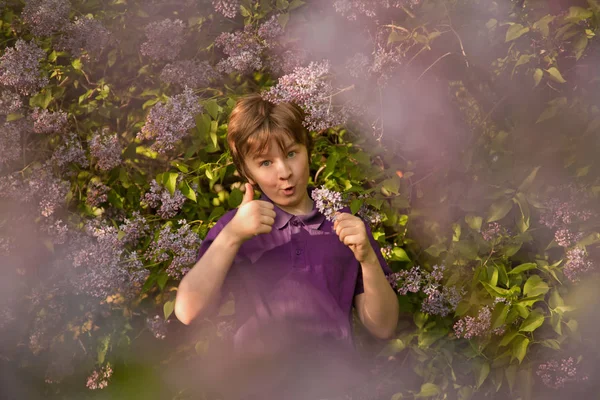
(106, 149)
(243, 49)
(85, 35)
(228, 8)
(167, 123)
(45, 17)
(99, 378)
(555, 374)
(188, 73)
(157, 326)
(158, 197)
(10, 143)
(69, 153)
(165, 39)
(47, 122)
(20, 68)
(471, 327)
(10, 102)
(577, 264)
(97, 193)
(134, 228)
(180, 247)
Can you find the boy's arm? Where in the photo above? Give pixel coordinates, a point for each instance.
(200, 289)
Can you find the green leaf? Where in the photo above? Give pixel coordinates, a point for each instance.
(551, 343)
(577, 14)
(522, 268)
(428, 338)
(400, 254)
(482, 374)
(511, 373)
(508, 338)
(77, 65)
(102, 348)
(355, 205)
(474, 222)
(429, 390)
(170, 181)
(212, 108)
(519, 348)
(495, 291)
(526, 184)
(168, 308)
(188, 192)
(499, 209)
(283, 19)
(555, 300)
(515, 31)
(457, 231)
(533, 321)
(548, 113)
(499, 315)
(235, 198)
(555, 75)
(393, 347)
(295, 4)
(436, 249)
(162, 280)
(13, 117)
(542, 25)
(112, 57)
(579, 46)
(537, 76)
(227, 309)
(535, 286)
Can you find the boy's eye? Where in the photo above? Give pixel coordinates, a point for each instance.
(263, 162)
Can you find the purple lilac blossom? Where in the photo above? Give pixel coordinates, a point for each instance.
(352, 9)
(47, 122)
(270, 30)
(69, 153)
(99, 378)
(308, 88)
(328, 202)
(384, 63)
(20, 67)
(168, 205)
(387, 251)
(555, 374)
(367, 213)
(10, 102)
(85, 35)
(491, 232)
(165, 39)
(134, 229)
(182, 245)
(169, 122)
(10, 143)
(105, 148)
(282, 63)
(188, 73)
(157, 326)
(244, 50)
(577, 265)
(470, 327)
(228, 8)
(357, 65)
(49, 191)
(55, 229)
(564, 237)
(97, 193)
(44, 17)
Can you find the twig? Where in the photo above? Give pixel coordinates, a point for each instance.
(462, 49)
(397, 27)
(428, 68)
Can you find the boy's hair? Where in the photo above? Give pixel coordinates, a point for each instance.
(254, 121)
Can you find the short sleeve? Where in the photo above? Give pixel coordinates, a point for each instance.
(386, 269)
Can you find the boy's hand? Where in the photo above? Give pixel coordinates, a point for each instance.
(352, 232)
(252, 218)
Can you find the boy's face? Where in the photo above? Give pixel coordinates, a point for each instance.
(275, 171)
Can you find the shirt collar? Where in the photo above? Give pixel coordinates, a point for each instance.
(313, 219)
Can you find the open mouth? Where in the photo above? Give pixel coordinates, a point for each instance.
(289, 191)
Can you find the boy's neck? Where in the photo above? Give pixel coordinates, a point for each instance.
(306, 207)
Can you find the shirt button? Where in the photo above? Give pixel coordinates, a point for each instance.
(295, 222)
(298, 252)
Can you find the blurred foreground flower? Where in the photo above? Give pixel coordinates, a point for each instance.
(555, 374)
(99, 378)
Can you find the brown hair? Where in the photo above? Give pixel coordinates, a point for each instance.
(254, 121)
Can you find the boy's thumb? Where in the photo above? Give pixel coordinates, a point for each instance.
(248, 195)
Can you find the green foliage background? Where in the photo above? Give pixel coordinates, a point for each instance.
(521, 80)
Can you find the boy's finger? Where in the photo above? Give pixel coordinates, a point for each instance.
(248, 195)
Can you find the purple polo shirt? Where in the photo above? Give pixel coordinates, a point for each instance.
(299, 276)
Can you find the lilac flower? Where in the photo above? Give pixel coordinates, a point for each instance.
(358, 65)
(55, 229)
(69, 153)
(555, 374)
(577, 264)
(328, 202)
(566, 210)
(225, 329)
(384, 63)
(10, 102)
(228, 8)
(44, 17)
(565, 237)
(10, 143)
(134, 229)
(352, 9)
(308, 88)
(7, 246)
(158, 326)
(410, 280)
(85, 35)
(367, 213)
(167, 123)
(244, 50)
(491, 232)
(180, 246)
(99, 378)
(281, 63)
(105, 148)
(20, 67)
(47, 122)
(188, 73)
(270, 30)
(470, 327)
(50, 192)
(97, 193)
(168, 205)
(387, 251)
(165, 39)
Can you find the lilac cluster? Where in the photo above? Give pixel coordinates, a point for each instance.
(577, 264)
(10, 143)
(387, 251)
(165, 39)
(555, 374)
(564, 237)
(85, 35)
(491, 232)
(167, 123)
(384, 63)
(440, 300)
(470, 327)
(99, 378)
(308, 88)
(96, 193)
(69, 153)
(367, 213)
(180, 246)
(157, 326)
(50, 191)
(270, 30)
(20, 67)
(188, 73)
(47, 122)
(10, 102)
(352, 9)
(244, 50)
(225, 329)
(134, 229)
(105, 148)
(55, 229)
(560, 213)
(328, 202)
(357, 65)
(285, 62)
(7, 246)
(168, 205)
(228, 8)
(44, 17)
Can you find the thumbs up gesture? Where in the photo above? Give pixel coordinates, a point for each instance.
(253, 217)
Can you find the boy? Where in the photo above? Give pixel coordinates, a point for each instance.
(294, 274)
